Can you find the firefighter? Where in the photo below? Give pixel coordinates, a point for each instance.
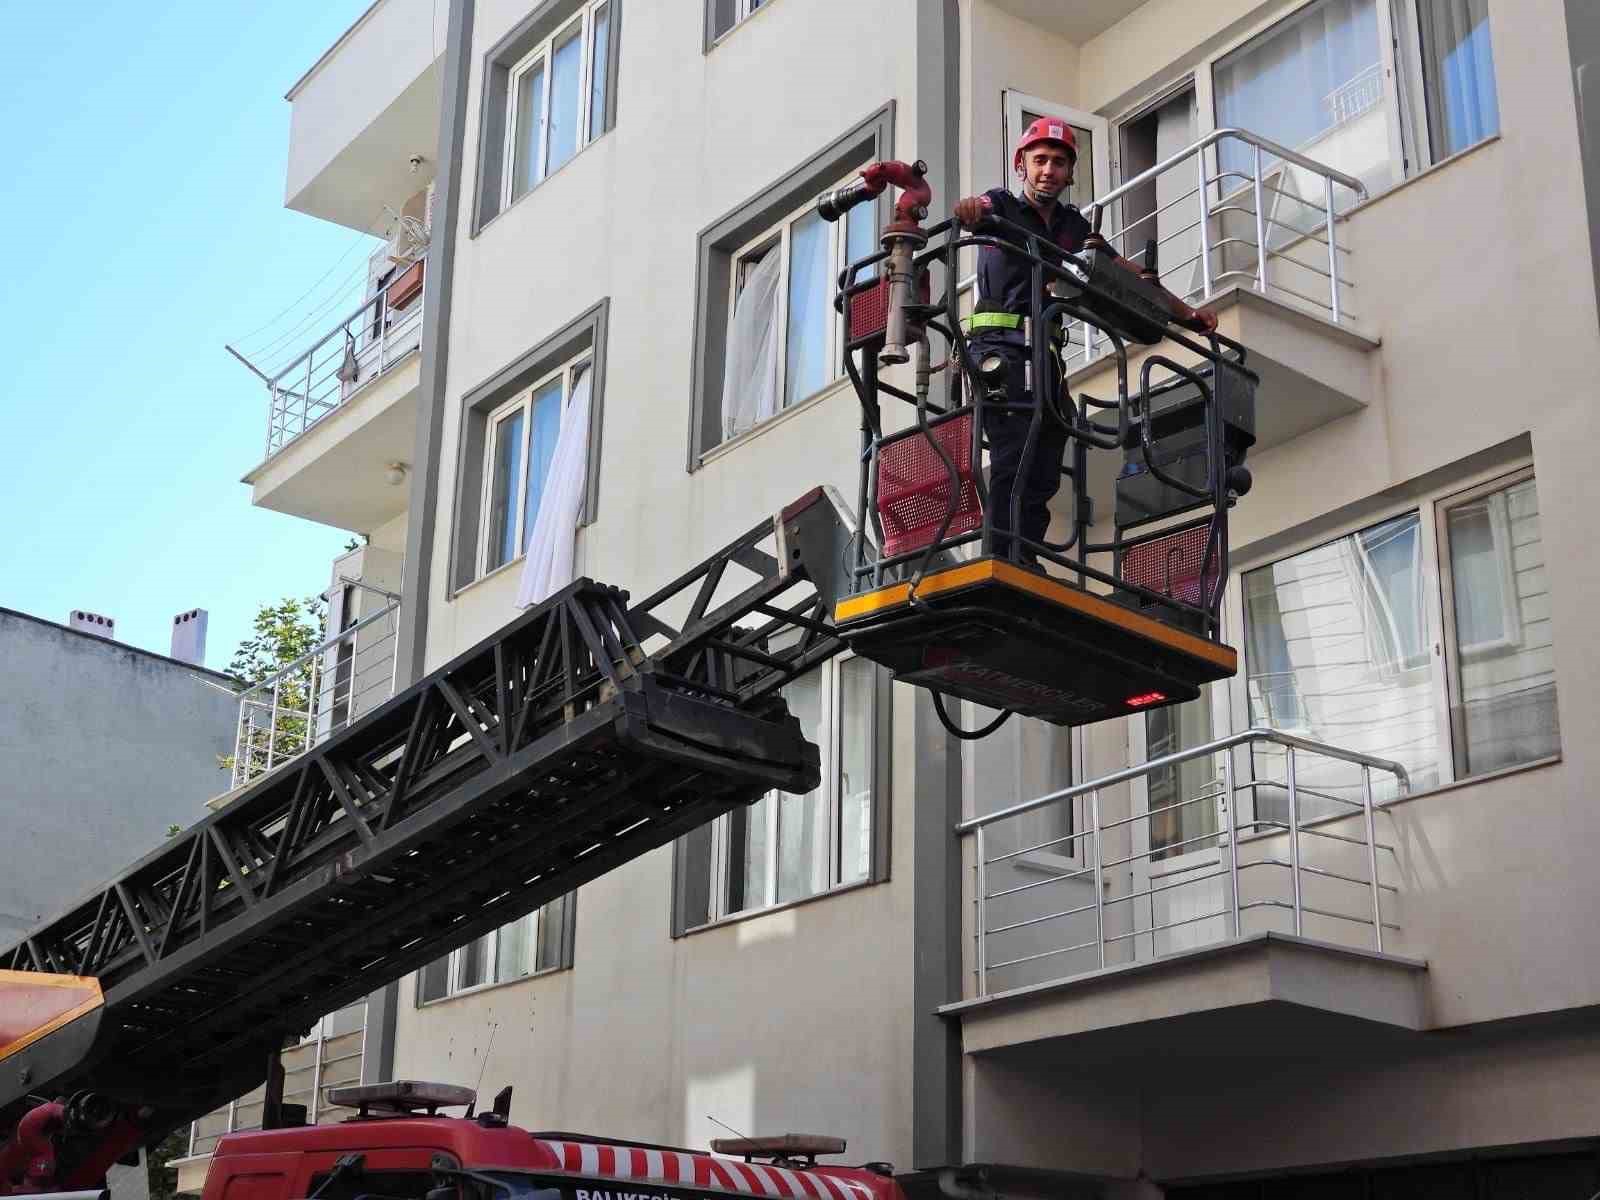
(1044, 160)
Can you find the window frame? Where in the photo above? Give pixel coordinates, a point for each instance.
(515, 52)
(569, 373)
(1431, 504)
(544, 54)
(1404, 94)
(781, 232)
(743, 10)
(720, 860)
(456, 957)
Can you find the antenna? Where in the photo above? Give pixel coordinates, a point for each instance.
(494, 1027)
(726, 1126)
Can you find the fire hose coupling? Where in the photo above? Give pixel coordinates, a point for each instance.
(910, 178)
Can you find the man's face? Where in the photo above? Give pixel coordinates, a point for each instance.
(1047, 169)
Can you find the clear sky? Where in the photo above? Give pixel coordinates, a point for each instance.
(141, 201)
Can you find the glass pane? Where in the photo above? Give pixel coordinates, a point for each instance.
(724, 15)
(802, 838)
(511, 955)
(433, 981)
(527, 130)
(861, 235)
(1177, 827)
(599, 63)
(749, 865)
(1504, 700)
(552, 929)
(1458, 73)
(856, 722)
(810, 293)
(566, 65)
(541, 449)
(1314, 83)
(695, 862)
(502, 540)
(475, 963)
(1336, 648)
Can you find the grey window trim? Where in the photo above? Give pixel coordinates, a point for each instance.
(870, 139)
(584, 332)
(498, 60)
(565, 956)
(882, 822)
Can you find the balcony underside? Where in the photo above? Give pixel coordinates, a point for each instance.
(1269, 994)
(336, 472)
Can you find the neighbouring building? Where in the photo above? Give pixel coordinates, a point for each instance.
(1213, 977)
(103, 747)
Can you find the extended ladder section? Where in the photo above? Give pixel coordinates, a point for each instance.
(584, 734)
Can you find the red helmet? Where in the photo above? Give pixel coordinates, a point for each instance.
(1045, 129)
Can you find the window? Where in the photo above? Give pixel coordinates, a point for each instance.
(1023, 759)
(550, 88)
(784, 336)
(723, 15)
(558, 100)
(1502, 670)
(1458, 104)
(530, 945)
(522, 441)
(1423, 638)
(785, 848)
(765, 330)
(1181, 799)
(510, 426)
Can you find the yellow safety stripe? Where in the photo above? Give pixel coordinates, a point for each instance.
(985, 570)
(992, 320)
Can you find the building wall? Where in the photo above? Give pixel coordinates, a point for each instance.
(796, 1019)
(101, 748)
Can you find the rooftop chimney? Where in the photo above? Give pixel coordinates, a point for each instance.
(88, 622)
(189, 636)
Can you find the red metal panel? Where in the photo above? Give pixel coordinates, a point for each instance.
(1171, 565)
(914, 486)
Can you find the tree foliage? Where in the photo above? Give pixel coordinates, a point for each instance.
(276, 720)
(282, 632)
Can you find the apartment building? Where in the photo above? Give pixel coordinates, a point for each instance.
(1336, 940)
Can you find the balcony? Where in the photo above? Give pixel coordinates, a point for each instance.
(1268, 255)
(341, 417)
(1267, 913)
(306, 702)
(363, 111)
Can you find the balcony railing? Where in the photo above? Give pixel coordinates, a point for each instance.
(320, 692)
(355, 351)
(1306, 859)
(1270, 222)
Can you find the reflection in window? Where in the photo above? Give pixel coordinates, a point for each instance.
(1336, 648)
(1458, 73)
(1182, 798)
(1503, 702)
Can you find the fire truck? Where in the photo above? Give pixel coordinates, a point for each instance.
(594, 728)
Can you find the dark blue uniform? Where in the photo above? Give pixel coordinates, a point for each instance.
(1004, 285)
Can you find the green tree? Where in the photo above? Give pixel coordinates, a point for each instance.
(163, 1179)
(277, 704)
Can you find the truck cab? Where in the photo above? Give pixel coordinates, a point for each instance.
(399, 1147)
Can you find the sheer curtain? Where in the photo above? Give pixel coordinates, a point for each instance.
(750, 382)
(548, 566)
(1458, 68)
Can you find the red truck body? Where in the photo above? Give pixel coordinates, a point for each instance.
(402, 1157)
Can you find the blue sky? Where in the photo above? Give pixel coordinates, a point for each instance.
(142, 204)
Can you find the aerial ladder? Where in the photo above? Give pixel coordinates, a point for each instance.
(593, 728)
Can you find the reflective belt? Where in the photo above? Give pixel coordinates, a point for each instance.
(992, 320)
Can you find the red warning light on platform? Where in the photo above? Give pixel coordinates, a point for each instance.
(1145, 698)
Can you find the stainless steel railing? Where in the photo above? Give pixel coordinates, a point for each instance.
(1272, 225)
(322, 691)
(342, 361)
(1052, 907)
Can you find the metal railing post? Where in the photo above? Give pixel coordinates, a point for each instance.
(1099, 884)
(394, 651)
(982, 920)
(381, 308)
(1205, 232)
(1229, 802)
(305, 397)
(1333, 249)
(272, 729)
(1294, 836)
(1261, 228)
(1372, 856)
(239, 741)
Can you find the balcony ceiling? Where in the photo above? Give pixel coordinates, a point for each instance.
(1076, 20)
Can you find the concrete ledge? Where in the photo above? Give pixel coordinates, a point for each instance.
(1287, 984)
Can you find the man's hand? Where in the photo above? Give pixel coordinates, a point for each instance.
(973, 209)
(1202, 320)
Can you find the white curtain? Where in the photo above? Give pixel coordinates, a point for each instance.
(750, 383)
(548, 566)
